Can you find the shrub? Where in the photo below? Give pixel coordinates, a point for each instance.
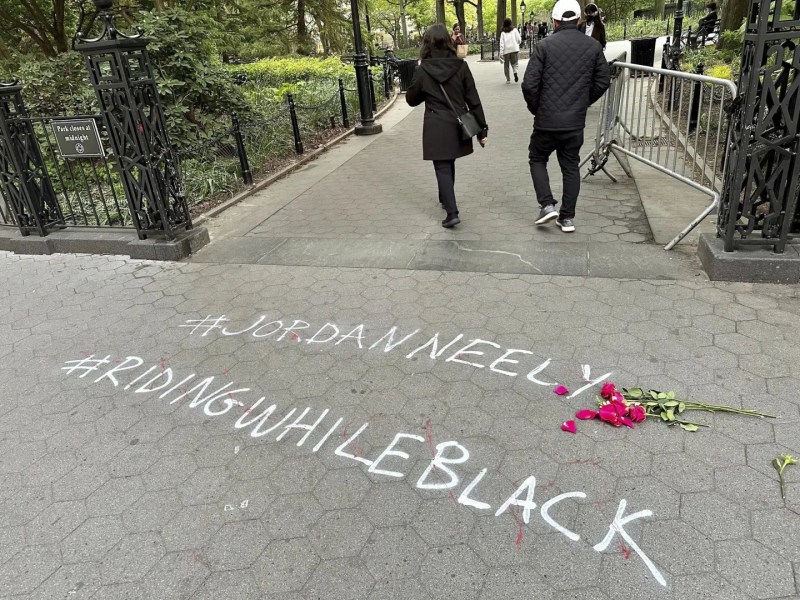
(275, 72)
(56, 86)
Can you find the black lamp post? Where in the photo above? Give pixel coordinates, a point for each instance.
(368, 126)
(522, 7)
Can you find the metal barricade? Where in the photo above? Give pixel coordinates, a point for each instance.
(672, 121)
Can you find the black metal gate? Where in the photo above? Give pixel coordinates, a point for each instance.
(42, 190)
(761, 186)
(88, 191)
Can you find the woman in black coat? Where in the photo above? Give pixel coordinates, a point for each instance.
(441, 133)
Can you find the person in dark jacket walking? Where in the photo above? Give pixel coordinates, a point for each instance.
(441, 134)
(566, 74)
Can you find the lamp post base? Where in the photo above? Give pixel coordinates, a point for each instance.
(368, 129)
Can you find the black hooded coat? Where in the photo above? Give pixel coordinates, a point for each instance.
(441, 136)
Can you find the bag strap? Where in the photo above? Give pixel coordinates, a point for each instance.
(455, 112)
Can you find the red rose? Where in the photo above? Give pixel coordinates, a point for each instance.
(637, 413)
(608, 390)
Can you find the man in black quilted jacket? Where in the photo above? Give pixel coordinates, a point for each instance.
(566, 74)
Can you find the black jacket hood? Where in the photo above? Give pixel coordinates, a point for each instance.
(441, 68)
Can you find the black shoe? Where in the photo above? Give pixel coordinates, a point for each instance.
(450, 221)
(516, 78)
(567, 225)
(547, 214)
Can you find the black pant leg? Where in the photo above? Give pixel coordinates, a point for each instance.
(445, 178)
(539, 151)
(569, 157)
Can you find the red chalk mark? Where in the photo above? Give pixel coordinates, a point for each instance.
(550, 483)
(118, 361)
(519, 525)
(598, 504)
(429, 434)
(295, 336)
(162, 363)
(580, 461)
(624, 550)
(344, 434)
(225, 371)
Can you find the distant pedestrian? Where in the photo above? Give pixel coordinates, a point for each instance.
(592, 25)
(566, 74)
(457, 37)
(509, 49)
(440, 81)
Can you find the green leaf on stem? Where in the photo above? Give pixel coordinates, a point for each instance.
(689, 426)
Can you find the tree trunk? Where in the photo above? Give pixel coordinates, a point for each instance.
(440, 12)
(404, 23)
(459, 7)
(303, 42)
(514, 12)
(733, 14)
(501, 16)
(658, 9)
(59, 32)
(479, 9)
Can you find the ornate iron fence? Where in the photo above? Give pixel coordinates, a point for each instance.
(759, 204)
(89, 190)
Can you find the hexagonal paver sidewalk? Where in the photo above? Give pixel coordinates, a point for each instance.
(250, 431)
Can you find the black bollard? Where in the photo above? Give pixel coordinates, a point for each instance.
(247, 176)
(343, 101)
(298, 143)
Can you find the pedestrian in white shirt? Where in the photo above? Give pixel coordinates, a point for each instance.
(509, 49)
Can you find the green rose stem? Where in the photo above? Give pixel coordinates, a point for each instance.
(662, 401)
(780, 464)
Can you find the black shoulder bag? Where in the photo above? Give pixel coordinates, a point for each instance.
(467, 122)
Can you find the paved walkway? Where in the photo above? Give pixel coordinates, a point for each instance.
(373, 203)
(235, 430)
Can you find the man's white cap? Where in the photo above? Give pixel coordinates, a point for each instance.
(566, 6)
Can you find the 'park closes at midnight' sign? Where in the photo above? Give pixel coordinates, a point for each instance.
(78, 138)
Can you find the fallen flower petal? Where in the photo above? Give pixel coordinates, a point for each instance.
(620, 406)
(586, 414)
(626, 421)
(561, 390)
(568, 426)
(609, 414)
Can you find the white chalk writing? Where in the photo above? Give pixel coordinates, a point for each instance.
(490, 355)
(439, 474)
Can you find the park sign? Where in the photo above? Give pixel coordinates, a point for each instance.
(78, 138)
